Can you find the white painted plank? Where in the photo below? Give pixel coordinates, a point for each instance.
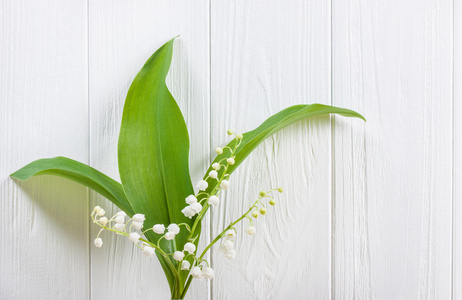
(457, 156)
(43, 113)
(268, 55)
(392, 61)
(123, 34)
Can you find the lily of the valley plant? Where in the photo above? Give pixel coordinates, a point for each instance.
(160, 211)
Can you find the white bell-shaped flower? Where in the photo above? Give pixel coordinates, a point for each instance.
(188, 212)
(101, 212)
(228, 244)
(202, 185)
(103, 221)
(231, 161)
(208, 273)
(121, 214)
(230, 234)
(251, 230)
(189, 247)
(216, 166)
(148, 251)
(230, 254)
(137, 225)
(196, 272)
(173, 228)
(196, 207)
(119, 219)
(178, 255)
(185, 265)
(224, 185)
(139, 218)
(98, 242)
(97, 209)
(219, 150)
(191, 199)
(119, 227)
(214, 200)
(169, 236)
(134, 237)
(159, 228)
(213, 174)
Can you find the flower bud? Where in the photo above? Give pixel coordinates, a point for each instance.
(219, 150)
(173, 228)
(230, 234)
(98, 242)
(214, 200)
(191, 199)
(213, 174)
(185, 265)
(239, 136)
(178, 255)
(189, 247)
(263, 211)
(229, 132)
(101, 212)
(134, 237)
(208, 273)
(272, 202)
(255, 214)
(119, 227)
(230, 254)
(169, 236)
(148, 251)
(202, 185)
(103, 221)
(139, 218)
(224, 185)
(228, 245)
(119, 220)
(216, 166)
(137, 225)
(231, 161)
(121, 214)
(159, 228)
(196, 272)
(250, 230)
(280, 190)
(97, 209)
(262, 194)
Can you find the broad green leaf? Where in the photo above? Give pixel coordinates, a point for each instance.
(273, 124)
(78, 172)
(153, 149)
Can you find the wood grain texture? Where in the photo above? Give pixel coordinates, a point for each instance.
(123, 34)
(267, 55)
(392, 61)
(43, 113)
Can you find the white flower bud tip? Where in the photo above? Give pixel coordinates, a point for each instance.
(189, 247)
(178, 255)
(228, 245)
(119, 219)
(121, 214)
(216, 166)
(185, 265)
(230, 254)
(169, 236)
(202, 185)
(148, 251)
(98, 242)
(134, 237)
(214, 200)
(137, 225)
(196, 272)
(230, 234)
(159, 228)
(101, 212)
(231, 161)
(250, 230)
(188, 212)
(119, 227)
(103, 221)
(208, 273)
(191, 199)
(219, 150)
(224, 185)
(139, 218)
(213, 174)
(173, 228)
(196, 207)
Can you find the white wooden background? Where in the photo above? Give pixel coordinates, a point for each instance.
(370, 210)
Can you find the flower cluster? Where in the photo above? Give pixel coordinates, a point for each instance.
(197, 205)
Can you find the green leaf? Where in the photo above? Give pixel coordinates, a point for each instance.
(78, 172)
(273, 124)
(153, 149)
